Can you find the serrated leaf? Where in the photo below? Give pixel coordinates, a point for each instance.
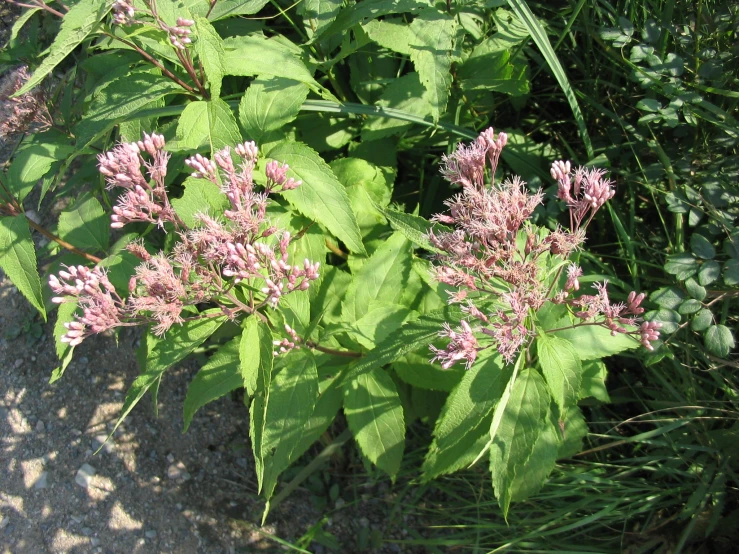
(412, 227)
(253, 55)
(431, 49)
(393, 34)
(531, 475)
(255, 352)
(269, 104)
(409, 338)
(463, 427)
(406, 93)
(287, 406)
(416, 369)
(520, 427)
(219, 376)
(375, 416)
(702, 247)
(31, 164)
(77, 24)
(327, 406)
(85, 224)
(367, 10)
(321, 197)
(210, 123)
(121, 98)
(702, 320)
(381, 278)
(200, 197)
(18, 259)
(319, 14)
(230, 8)
(380, 321)
(209, 47)
(562, 370)
(592, 342)
(593, 384)
(575, 429)
(719, 340)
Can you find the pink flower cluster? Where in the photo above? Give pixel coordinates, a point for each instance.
(207, 262)
(18, 114)
(493, 254)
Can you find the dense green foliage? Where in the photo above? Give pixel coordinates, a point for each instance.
(361, 100)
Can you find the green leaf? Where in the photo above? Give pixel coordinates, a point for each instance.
(287, 406)
(489, 66)
(18, 259)
(356, 173)
(731, 272)
(65, 314)
(180, 340)
(326, 299)
(367, 10)
(413, 227)
(255, 352)
(219, 376)
(210, 123)
(681, 266)
(119, 99)
(327, 406)
(702, 247)
(85, 224)
(321, 197)
(209, 47)
(380, 321)
(392, 33)
(709, 272)
(592, 342)
(668, 297)
(562, 369)
(256, 55)
(381, 278)
(690, 306)
(575, 429)
(200, 197)
(702, 320)
(31, 164)
(78, 22)
(538, 34)
(407, 94)
(375, 416)
(415, 369)
(230, 8)
(519, 429)
(463, 427)
(410, 337)
(319, 14)
(269, 104)
(695, 290)
(719, 340)
(593, 385)
(431, 53)
(529, 477)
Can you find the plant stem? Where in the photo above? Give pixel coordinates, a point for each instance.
(63, 243)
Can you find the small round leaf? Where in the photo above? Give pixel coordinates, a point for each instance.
(709, 272)
(701, 320)
(731, 272)
(682, 265)
(719, 340)
(668, 297)
(702, 247)
(690, 306)
(694, 289)
(669, 319)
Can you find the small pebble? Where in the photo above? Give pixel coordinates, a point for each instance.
(178, 471)
(40, 427)
(86, 531)
(364, 522)
(41, 481)
(18, 363)
(84, 475)
(100, 440)
(94, 541)
(150, 534)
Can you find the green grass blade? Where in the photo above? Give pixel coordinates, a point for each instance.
(522, 10)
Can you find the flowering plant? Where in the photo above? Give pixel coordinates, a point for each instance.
(325, 297)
